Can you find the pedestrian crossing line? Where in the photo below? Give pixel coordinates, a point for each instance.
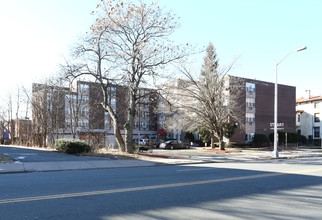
(112, 191)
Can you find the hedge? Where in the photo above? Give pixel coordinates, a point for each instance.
(72, 146)
(260, 140)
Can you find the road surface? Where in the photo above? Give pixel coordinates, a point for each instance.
(274, 189)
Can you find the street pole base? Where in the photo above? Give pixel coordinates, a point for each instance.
(275, 154)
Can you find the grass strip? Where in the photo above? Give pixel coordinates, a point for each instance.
(5, 159)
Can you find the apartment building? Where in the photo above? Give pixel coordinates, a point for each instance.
(256, 101)
(308, 121)
(76, 112)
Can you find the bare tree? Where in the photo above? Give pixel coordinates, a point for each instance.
(73, 102)
(128, 45)
(48, 102)
(15, 105)
(210, 102)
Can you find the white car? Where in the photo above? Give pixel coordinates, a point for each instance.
(143, 141)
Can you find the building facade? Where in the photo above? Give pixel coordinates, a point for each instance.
(308, 121)
(256, 112)
(258, 100)
(76, 112)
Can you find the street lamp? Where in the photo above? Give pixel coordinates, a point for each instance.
(275, 152)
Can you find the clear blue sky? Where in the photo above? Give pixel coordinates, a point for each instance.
(36, 35)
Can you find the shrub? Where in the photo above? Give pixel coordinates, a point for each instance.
(281, 137)
(292, 138)
(71, 146)
(189, 136)
(302, 139)
(142, 147)
(260, 140)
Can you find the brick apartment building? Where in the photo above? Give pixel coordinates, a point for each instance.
(257, 106)
(258, 100)
(76, 112)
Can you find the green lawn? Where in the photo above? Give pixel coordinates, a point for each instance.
(4, 158)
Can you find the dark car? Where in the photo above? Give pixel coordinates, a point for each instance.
(173, 144)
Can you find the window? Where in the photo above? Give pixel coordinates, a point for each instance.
(67, 98)
(49, 96)
(83, 123)
(111, 95)
(67, 122)
(250, 117)
(299, 118)
(316, 131)
(317, 117)
(113, 90)
(84, 99)
(316, 105)
(67, 110)
(250, 87)
(83, 88)
(145, 114)
(144, 124)
(84, 112)
(250, 102)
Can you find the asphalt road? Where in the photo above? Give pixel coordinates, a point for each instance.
(36, 155)
(275, 189)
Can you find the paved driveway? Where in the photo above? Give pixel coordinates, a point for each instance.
(34, 155)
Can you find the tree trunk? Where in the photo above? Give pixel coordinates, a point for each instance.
(118, 136)
(45, 140)
(116, 127)
(129, 126)
(221, 144)
(212, 139)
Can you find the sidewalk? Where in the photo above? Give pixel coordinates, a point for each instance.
(17, 167)
(145, 161)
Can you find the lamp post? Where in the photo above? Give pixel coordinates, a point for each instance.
(275, 152)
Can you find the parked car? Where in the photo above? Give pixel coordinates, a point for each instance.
(156, 143)
(144, 142)
(173, 144)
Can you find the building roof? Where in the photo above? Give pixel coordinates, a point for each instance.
(311, 99)
(259, 81)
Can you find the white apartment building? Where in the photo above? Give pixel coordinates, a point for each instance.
(308, 121)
